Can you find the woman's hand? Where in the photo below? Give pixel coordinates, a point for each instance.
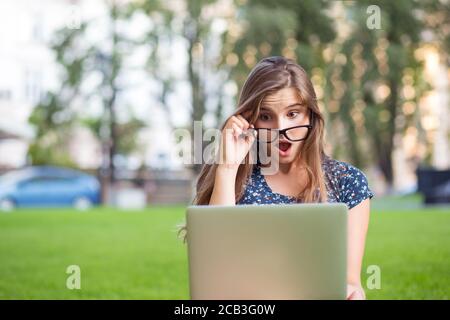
(233, 146)
(355, 292)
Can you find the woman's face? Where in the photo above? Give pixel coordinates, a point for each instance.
(281, 110)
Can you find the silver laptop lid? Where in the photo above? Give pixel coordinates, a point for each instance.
(292, 251)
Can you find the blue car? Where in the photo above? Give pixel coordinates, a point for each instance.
(48, 186)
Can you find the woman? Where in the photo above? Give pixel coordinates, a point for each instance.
(278, 103)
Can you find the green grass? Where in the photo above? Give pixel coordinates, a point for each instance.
(136, 255)
(412, 249)
(122, 255)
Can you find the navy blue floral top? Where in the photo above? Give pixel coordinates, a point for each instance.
(344, 183)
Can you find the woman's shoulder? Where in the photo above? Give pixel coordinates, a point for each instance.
(350, 182)
(340, 169)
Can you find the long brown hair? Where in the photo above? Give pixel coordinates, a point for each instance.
(268, 76)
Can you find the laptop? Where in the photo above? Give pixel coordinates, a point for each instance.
(267, 252)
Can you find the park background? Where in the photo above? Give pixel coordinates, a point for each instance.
(101, 86)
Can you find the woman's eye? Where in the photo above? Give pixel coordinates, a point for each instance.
(292, 114)
(264, 117)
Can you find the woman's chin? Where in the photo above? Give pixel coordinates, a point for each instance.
(286, 160)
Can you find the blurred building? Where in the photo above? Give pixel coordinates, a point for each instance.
(13, 145)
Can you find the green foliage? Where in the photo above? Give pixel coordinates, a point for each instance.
(268, 25)
(386, 55)
(126, 132)
(53, 125)
(57, 115)
(311, 16)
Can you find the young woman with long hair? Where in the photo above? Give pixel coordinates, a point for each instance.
(278, 103)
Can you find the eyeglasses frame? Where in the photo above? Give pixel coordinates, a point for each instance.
(283, 131)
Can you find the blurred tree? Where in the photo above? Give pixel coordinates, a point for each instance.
(189, 20)
(160, 35)
(363, 79)
(375, 74)
(294, 29)
(81, 59)
(436, 18)
(52, 117)
(50, 145)
(126, 132)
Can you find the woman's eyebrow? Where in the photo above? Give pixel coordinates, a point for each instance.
(289, 106)
(298, 104)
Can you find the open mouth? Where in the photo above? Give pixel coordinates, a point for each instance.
(284, 146)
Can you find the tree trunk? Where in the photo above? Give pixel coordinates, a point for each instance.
(198, 98)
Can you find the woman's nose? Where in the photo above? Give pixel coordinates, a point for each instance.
(282, 123)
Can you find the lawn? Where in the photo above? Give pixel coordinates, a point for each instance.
(136, 255)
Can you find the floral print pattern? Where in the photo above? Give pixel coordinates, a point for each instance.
(344, 183)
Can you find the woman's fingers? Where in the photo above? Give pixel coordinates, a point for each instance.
(241, 128)
(234, 120)
(251, 137)
(237, 130)
(243, 121)
(355, 293)
(242, 137)
(240, 122)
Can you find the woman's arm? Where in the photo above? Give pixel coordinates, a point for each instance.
(224, 186)
(233, 149)
(358, 222)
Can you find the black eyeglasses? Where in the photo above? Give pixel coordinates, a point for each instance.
(297, 133)
(294, 134)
